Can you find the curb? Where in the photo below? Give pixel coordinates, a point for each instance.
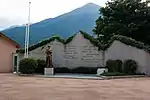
(123, 77)
(90, 78)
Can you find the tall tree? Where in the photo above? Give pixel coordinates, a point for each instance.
(124, 17)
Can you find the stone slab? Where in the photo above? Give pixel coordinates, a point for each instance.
(101, 71)
(49, 71)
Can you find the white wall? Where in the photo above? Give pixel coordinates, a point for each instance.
(80, 52)
(119, 50)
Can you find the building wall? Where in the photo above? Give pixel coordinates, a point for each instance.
(80, 52)
(6, 50)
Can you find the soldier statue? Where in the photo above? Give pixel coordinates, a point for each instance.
(49, 57)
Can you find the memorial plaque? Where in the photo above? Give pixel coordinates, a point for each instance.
(90, 54)
(71, 53)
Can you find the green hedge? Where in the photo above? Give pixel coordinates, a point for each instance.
(27, 66)
(119, 66)
(113, 74)
(84, 70)
(130, 66)
(61, 70)
(114, 65)
(32, 66)
(40, 66)
(78, 70)
(120, 74)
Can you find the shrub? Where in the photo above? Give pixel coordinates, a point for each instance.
(27, 66)
(84, 70)
(110, 64)
(79, 70)
(113, 74)
(119, 65)
(130, 66)
(114, 65)
(40, 66)
(61, 70)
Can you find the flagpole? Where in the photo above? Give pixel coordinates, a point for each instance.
(25, 54)
(28, 31)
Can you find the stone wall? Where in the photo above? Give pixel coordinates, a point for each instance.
(80, 52)
(124, 52)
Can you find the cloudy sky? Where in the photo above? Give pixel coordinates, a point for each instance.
(15, 12)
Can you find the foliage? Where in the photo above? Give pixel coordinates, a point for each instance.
(130, 66)
(79, 70)
(124, 17)
(119, 65)
(113, 74)
(84, 70)
(111, 64)
(27, 66)
(120, 74)
(128, 41)
(69, 39)
(114, 65)
(42, 43)
(90, 38)
(61, 70)
(94, 41)
(40, 66)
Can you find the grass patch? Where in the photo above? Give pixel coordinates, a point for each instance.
(120, 74)
(113, 74)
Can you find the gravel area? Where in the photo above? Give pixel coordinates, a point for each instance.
(14, 87)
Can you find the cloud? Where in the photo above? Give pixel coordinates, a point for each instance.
(14, 12)
(6, 22)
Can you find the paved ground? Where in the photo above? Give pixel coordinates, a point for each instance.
(30, 88)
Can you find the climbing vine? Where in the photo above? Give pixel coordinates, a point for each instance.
(94, 41)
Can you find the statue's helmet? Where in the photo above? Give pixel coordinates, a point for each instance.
(49, 46)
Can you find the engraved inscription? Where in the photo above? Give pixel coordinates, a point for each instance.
(71, 52)
(90, 54)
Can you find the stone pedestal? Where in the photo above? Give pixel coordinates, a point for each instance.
(49, 71)
(101, 71)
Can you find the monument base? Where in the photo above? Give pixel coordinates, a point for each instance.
(49, 71)
(101, 71)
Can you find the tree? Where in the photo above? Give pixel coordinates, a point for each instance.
(124, 17)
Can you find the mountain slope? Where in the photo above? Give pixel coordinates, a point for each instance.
(65, 25)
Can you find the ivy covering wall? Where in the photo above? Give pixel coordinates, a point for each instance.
(94, 41)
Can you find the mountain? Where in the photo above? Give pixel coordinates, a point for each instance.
(64, 25)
